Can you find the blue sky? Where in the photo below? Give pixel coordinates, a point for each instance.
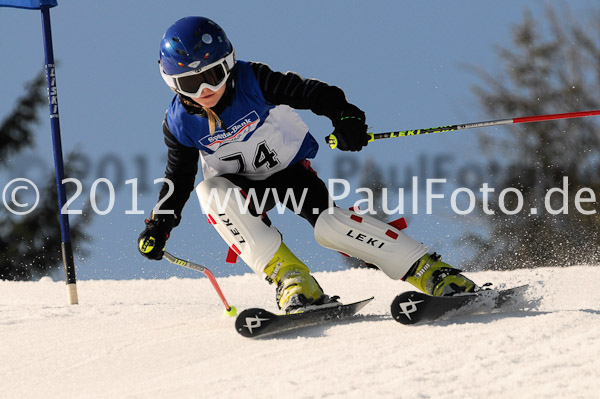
(402, 62)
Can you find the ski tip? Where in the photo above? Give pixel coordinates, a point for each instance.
(405, 307)
(253, 321)
(365, 301)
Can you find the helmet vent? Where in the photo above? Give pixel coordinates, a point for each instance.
(182, 52)
(197, 46)
(175, 39)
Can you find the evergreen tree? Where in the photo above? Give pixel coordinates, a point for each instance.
(15, 130)
(552, 67)
(30, 245)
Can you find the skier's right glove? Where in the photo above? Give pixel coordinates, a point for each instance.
(152, 241)
(350, 133)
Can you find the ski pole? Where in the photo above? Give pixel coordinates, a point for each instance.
(332, 140)
(229, 310)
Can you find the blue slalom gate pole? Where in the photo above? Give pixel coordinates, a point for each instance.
(67, 249)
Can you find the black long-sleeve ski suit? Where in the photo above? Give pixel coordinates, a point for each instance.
(277, 88)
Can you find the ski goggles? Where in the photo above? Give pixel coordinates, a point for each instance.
(212, 76)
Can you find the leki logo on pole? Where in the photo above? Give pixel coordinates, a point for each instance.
(409, 307)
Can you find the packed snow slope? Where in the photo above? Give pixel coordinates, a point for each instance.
(170, 339)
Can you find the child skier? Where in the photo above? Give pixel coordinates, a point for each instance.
(237, 117)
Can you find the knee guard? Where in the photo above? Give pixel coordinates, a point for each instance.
(369, 239)
(224, 204)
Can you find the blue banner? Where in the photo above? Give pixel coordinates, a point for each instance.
(30, 4)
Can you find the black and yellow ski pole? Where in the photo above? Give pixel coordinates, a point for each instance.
(332, 140)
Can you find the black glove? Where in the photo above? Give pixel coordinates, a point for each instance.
(152, 241)
(351, 130)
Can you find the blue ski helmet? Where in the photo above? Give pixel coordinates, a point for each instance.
(195, 53)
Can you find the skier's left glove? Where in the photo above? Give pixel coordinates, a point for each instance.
(152, 241)
(350, 130)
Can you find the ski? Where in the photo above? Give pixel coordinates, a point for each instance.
(257, 322)
(413, 307)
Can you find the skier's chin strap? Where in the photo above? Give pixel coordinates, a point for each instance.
(369, 239)
(247, 236)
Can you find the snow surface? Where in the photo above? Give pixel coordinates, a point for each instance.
(170, 339)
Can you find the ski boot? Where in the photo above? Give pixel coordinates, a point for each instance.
(296, 288)
(434, 277)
